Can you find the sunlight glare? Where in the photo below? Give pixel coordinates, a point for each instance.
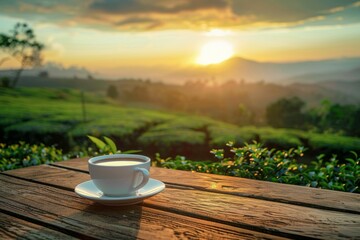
(215, 52)
(218, 33)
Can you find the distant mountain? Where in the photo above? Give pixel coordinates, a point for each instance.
(237, 68)
(252, 71)
(255, 96)
(54, 70)
(331, 76)
(349, 88)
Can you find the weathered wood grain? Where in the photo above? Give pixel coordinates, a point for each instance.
(59, 177)
(64, 209)
(299, 195)
(278, 218)
(273, 216)
(14, 228)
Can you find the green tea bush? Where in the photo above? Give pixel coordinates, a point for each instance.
(39, 131)
(39, 127)
(174, 142)
(330, 142)
(282, 166)
(316, 143)
(98, 129)
(179, 135)
(271, 137)
(279, 138)
(24, 155)
(220, 134)
(172, 138)
(184, 122)
(54, 116)
(176, 131)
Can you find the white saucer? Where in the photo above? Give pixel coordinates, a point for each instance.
(88, 190)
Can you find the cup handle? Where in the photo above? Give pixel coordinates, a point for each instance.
(145, 173)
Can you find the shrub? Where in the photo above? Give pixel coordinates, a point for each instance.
(172, 138)
(279, 138)
(282, 166)
(220, 134)
(38, 131)
(24, 155)
(335, 143)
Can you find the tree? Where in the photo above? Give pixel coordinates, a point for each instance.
(333, 117)
(21, 44)
(5, 82)
(112, 92)
(243, 115)
(286, 113)
(44, 74)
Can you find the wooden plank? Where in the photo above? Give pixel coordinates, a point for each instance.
(273, 216)
(277, 218)
(58, 177)
(64, 209)
(306, 196)
(14, 228)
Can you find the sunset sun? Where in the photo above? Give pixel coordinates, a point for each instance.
(215, 52)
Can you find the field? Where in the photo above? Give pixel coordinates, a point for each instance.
(55, 117)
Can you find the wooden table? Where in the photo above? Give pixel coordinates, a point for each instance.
(40, 202)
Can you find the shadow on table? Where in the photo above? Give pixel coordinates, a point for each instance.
(123, 221)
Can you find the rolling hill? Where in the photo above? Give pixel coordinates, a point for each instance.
(282, 73)
(54, 116)
(345, 69)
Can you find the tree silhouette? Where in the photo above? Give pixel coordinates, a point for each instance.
(44, 74)
(22, 45)
(286, 113)
(112, 92)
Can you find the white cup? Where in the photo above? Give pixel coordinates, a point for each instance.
(119, 174)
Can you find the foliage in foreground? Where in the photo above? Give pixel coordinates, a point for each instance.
(107, 146)
(282, 166)
(25, 155)
(251, 161)
(257, 162)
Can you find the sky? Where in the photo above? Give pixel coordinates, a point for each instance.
(104, 35)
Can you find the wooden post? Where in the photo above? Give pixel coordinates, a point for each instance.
(83, 106)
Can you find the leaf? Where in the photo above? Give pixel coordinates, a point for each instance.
(354, 153)
(350, 161)
(100, 144)
(353, 189)
(111, 144)
(131, 151)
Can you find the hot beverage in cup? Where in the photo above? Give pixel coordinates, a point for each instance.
(119, 174)
(116, 163)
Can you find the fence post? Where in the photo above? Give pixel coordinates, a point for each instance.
(83, 106)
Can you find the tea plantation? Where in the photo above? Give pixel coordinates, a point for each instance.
(55, 117)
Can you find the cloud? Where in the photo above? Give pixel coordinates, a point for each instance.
(141, 6)
(145, 15)
(139, 23)
(53, 48)
(287, 11)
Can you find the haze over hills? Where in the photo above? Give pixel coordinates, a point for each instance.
(255, 96)
(349, 75)
(54, 70)
(237, 68)
(284, 73)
